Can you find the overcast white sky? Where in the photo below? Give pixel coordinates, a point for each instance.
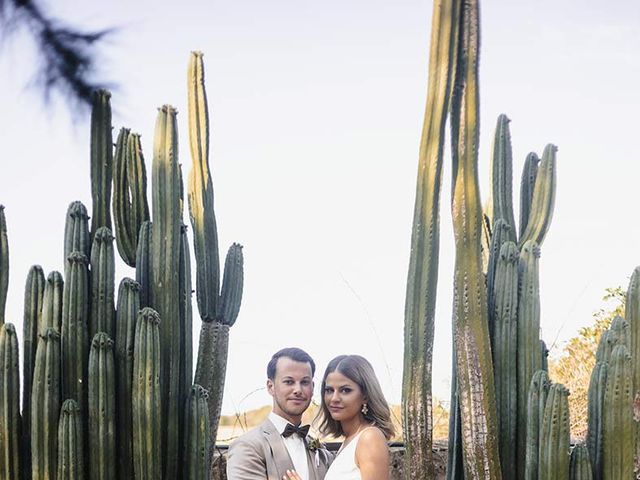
(316, 110)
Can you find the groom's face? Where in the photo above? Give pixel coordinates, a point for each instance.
(291, 389)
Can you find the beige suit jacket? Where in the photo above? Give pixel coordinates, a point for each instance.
(261, 454)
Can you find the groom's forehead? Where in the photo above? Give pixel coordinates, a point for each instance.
(287, 367)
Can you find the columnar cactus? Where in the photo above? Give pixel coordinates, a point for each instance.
(130, 207)
(580, 465)
(4, 263)
(632, 316)
(101, 409)
(618, 424)
(197, 435)
(52, 302)
(528, 325)
(527, 184)
(165, 294)
(71, 464)
(501, 234)
(470, 315)
(422, 277)
(143, 264)
(500, 204)
(537, 401)
(619, 333)
(76, 231)
(33, 299)
(146, 398)
(102, 311)
(595, 431)
(45, 406)
(505, 343)
(186, 314)
(101, 161)
(126, 317)
(75, 339)
(554, 437)
(9, 404)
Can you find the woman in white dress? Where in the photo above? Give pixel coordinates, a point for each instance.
(354, 407)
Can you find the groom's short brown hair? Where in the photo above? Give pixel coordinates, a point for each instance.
(295, 354)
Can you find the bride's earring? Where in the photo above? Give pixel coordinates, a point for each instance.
(365, 408)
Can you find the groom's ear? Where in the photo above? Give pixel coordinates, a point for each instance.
(270, 386)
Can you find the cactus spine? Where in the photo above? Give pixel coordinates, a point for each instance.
(45, 406)
(422, 277)
(554, 437)
(470, 315)
(579, 465)
(537, 400)
(143, 264)
(618, 424)
(597, 385)
(101, 161)
(197, 435)
(4, 263)
(505, 341)
(500, 204)
(102, 310)
(101, 407)
(9, 403)
(76, 231)
(70, 451)
(75, 340)
(146, 398)
(527, 184)
(529, 359)
(126, 316)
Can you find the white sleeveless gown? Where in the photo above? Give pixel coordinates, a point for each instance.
(344, 465)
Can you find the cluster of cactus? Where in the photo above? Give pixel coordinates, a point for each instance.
(108, 390)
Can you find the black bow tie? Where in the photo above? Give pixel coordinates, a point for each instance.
(291, 429)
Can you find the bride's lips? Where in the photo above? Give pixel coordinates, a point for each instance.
(334, 409)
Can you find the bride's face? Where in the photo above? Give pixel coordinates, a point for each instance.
(343, 397)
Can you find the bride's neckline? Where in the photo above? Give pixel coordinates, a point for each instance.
(347, 441)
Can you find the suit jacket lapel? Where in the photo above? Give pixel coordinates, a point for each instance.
(281, 457)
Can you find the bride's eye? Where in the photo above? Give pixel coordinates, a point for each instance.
(345, 390)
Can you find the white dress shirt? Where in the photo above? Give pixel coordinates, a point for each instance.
(295, 446)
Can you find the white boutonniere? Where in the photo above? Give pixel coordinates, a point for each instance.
(313, 445)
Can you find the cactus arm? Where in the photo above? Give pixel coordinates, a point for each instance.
(197, 435)
(9, 404)
(70, 448)
(101, 161)
(4, 263)
(143, 264)
(137, 179)
(580, 465)
(232, 286)
(102, 311)
(165, 295)
(544, 194)
(101, 407)
(76, 231)
(527, 183)
(554, 436)
(423, 261)
(597, 385)
(121, 201)
(544, 354)
(537, 399)
(146, 399)
(200, 195)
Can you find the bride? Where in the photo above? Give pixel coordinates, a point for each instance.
(354, 407)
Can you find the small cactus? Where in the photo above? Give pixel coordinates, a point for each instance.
(527, 184)
(597, 385)
(52, 302)
(70, 452)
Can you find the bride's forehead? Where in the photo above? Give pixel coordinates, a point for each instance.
(338, 379)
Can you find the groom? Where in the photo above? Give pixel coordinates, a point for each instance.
(280, 443)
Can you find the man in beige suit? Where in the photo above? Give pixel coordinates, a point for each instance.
(280, 443)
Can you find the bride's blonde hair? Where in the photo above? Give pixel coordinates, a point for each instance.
(358, 370)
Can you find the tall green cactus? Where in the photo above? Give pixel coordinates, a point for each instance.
(126, 317)
(197, 436)
(505, 344)
(470, 315)
(165, 294)
(422, 277)
(632, 316)
(10, 422)
(4, 263)
(580, 465)
(595, 414)
(71, 464)
(75, 338)
(33, 299)
(45, 406)
(618, 424)
(130, 207)
(101, 161)
(52, 302)
(529, 359)
(501, 234)
(186, 315)
(102, 311)
(101, 409)
(554, 437)
(536, 403)
(76, 231)
(500, 203)
(146, 398)
(527, 184)
(543, 199)
(143, 264)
